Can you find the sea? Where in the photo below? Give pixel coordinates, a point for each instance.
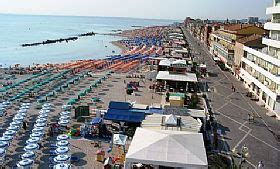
(16, 30)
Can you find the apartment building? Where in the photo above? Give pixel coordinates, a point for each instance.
(222, 41)
(260, 69)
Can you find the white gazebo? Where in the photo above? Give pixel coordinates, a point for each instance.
(167, 148)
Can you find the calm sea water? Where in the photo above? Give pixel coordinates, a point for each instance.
(19, 29)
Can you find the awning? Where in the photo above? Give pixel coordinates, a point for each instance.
(165, 75)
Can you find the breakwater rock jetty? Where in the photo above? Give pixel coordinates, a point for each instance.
(73, 38)
(50, 41)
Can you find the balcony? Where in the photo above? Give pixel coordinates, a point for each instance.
(272, 26)
(249, 78)
(273, 10)
(263, 54)
(224, 48)
(261, 70)
(274, 41)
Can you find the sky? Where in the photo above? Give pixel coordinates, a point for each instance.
(152, 9)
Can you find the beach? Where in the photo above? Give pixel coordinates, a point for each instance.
(92, 83)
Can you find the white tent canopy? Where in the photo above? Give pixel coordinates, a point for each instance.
(165, 75)
(171, 120)
(167, 148)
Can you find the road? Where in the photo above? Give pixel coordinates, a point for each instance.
(231, 111)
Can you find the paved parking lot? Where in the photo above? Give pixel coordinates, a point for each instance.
(231, 111)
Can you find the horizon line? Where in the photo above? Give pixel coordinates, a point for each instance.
(66, 15)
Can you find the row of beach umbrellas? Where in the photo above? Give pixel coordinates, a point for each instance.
(13, 129)
(32, 144)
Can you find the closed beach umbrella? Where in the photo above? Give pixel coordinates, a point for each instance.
(62, 158)
(6, 138)
(31, 147)
(33, 140)
(62, 143)
(25, 163)
(62, 150)
(37, 134)
(62, 137)
(4, 144)
(62, 166)
(28, 155)
(9, 133)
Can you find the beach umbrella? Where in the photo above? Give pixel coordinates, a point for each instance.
(62, 158)
(2, 151)
(63, 122)
(33, 140)
(16, 123)
(65, 113)
(44, 115)
(40, 124)
(25, 163)
(62, 166)
(9, 133)
(44, 111)
(62, 150)
(31, 147)
(38, 129)
(18, 118)
(41, 120)
(6, 138)
(4, 144)
(62, 143)
(66, 107)
(37, 134)
(65, 117)
(46, 108)
(62, 137)
(28, 155)
(82, 94)
(15, 128)
(47, 105)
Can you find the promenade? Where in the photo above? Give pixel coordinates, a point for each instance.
(231, 113)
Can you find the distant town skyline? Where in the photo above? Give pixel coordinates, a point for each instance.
(150, 9)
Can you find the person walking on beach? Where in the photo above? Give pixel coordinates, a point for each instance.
(24, 125)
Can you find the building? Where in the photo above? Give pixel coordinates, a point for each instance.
(223, 41)
(253, 41)
(261, 68)
(253, 20)
(174, 75)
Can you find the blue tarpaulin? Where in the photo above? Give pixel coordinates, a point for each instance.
(96, 120)
(124, 115)
(119, 105)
